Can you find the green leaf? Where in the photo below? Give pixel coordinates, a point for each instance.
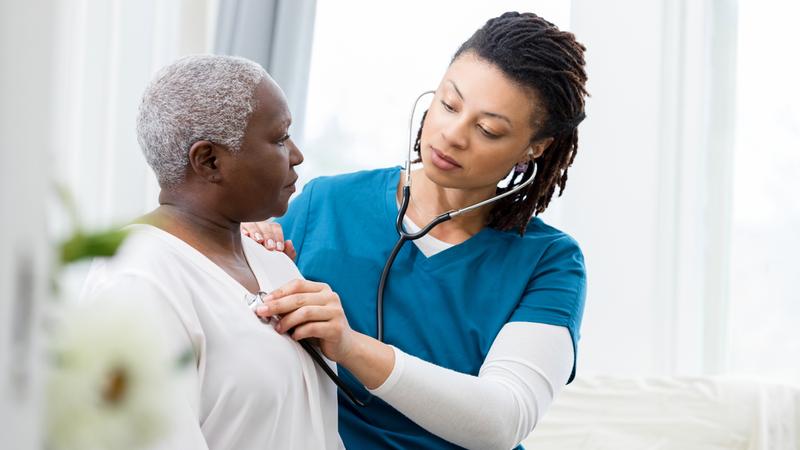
(186, 358)
(89, 245)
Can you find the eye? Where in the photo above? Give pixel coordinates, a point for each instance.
(282, 141)
(447, 106)
(488, 133)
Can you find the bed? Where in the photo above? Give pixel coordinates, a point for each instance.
(670, 413)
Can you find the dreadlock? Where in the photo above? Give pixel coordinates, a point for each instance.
(538, 56)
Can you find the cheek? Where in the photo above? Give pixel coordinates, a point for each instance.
(494, 162)
(276, 164)
(432, 124)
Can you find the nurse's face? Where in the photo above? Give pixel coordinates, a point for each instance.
(478, 126)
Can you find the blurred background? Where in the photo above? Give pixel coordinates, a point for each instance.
(683, 195)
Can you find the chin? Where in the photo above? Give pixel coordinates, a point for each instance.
(440, 177)
(280, 210)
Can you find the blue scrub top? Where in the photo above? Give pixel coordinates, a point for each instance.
(446, 309)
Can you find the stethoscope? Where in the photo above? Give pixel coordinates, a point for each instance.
(444, 217)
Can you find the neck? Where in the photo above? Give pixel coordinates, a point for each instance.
(202, 228)
(429, 199)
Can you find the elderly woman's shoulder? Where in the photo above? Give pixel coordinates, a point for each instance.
(148, 248)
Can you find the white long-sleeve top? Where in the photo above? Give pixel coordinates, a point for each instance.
(526, 367)
(249, 387)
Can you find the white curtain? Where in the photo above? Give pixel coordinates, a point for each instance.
(107, 52)
(278, 35)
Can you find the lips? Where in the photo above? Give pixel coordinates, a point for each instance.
(292, 184)
(443, 161)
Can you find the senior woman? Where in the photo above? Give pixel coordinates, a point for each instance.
(214, 129)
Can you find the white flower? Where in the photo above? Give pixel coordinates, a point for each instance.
(110, 381)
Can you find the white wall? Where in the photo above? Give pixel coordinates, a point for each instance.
(26, 62)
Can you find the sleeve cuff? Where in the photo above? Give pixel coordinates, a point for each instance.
(394, 377)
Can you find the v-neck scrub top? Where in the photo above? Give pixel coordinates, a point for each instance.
(249, 387)
(445, 309)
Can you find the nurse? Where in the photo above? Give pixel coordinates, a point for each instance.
(482, 316)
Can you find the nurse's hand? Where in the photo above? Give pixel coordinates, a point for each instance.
(270, 235)
(311, 310)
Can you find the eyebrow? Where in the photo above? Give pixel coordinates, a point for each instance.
(487, 113)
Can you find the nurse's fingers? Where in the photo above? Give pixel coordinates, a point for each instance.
(306, 314)
(293, 302)
(258, 231)
(298, 285)
(277, 236)
(321, 330)
(268, 234)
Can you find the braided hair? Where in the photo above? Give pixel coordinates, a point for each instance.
(538, 56)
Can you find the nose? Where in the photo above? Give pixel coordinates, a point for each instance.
(455, 132)
(295, 155)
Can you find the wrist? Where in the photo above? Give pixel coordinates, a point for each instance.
(370, 360)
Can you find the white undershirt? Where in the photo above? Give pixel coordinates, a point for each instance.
(526, 367)
(427, 244)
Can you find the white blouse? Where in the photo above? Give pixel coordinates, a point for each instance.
(250, 387)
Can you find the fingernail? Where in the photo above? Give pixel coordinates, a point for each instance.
(270, 244)
(266, 298)
(278, 327)
(262, 310)
(279, 244)
(258, 237)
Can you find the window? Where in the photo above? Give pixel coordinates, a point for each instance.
(765, 230)
(365, 73)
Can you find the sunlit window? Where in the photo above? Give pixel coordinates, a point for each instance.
(764, 295)
(365, 74)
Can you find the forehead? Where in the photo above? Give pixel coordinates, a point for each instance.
(485, 86)
(271, 108)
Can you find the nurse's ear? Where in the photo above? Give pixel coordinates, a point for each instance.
(204, 160)
(538, 147)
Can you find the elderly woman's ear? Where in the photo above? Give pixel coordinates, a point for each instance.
(203, 159)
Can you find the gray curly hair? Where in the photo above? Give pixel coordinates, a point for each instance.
(203, 97)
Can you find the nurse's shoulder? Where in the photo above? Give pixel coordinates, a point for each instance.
(354, 183)
(542, 243)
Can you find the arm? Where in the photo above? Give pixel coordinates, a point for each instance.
(526, 367)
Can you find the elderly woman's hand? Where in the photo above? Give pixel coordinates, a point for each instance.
(311, 310)
(270, 235)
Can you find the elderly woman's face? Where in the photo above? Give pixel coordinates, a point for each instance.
(262, 176)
